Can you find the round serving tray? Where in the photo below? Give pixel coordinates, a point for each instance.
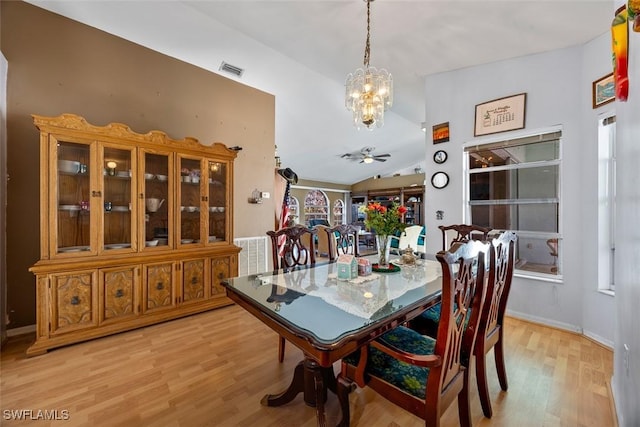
(390, 269)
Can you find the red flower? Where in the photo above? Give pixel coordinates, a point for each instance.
(384, 220)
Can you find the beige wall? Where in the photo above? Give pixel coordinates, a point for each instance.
(57, 66)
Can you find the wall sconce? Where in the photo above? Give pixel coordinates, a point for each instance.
(256, 197)
(111, 167)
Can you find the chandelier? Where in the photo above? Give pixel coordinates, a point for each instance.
(369, 91)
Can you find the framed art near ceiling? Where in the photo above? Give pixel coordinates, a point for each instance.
(603, 91)
(500, 115)
(440, 133)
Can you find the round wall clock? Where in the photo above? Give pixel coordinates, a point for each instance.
(440, 156)
(440, 179)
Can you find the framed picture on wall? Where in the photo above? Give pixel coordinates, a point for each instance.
(500, 115)
(440, 133)
(603, 91)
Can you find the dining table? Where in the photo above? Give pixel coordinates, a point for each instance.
(329, 318)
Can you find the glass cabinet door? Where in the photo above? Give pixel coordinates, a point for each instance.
(72, 197)
(117, 195)
(190, 201)
(157, 200)
(217, 199)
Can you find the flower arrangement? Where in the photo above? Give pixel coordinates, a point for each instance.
(384, 221)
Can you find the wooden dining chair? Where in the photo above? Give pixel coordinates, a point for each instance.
(553, 251)
(322, 245)
(500, 264)
(291, 247)
(421, 374)
(343, 239)
(462, 233)
(427, 322)
(490, 329)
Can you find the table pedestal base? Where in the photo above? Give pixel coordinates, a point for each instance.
(311, 379)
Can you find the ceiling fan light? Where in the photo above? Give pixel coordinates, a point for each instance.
(368, 160)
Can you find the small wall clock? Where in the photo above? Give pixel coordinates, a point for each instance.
(440, 180)
(440, 156)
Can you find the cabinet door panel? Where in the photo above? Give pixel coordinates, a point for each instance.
(158, 200)
(193, 280)
(119, 293)
(118, 193)
(220, 269)
(159, 287)
(191, 201)
(218, 201)
(71, 200)
(74, 301)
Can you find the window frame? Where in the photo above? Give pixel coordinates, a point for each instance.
(308, 215)
(606, 210)
(294, 207)
(468, 203)
(338, 210)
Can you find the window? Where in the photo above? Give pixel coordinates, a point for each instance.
(316, 206)
(515, 185)
(294, 208)
(606, 201)
(338, 212)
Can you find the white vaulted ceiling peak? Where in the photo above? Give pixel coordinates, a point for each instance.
(301, 51)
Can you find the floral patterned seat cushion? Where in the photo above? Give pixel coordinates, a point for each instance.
(410, 378)
(433, 314)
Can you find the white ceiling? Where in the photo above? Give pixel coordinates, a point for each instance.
(302, 50)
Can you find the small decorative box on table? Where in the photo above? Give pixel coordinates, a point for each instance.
(347, 267)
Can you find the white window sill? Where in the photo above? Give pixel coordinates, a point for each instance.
(607, 292)
(539, 277)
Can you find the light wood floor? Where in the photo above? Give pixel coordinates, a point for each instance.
(212, 369)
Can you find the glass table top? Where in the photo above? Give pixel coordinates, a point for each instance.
(314, 301)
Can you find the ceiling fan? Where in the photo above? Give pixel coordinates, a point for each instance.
(365, 156)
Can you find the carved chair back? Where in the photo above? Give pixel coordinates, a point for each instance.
(462, 233)
(343, 239)
(292, 247)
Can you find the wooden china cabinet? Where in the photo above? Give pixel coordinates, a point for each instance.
(136, 229)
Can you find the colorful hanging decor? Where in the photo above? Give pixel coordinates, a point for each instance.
(633, 9)
(619, 40)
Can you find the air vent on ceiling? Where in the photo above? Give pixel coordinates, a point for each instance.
(231, 69)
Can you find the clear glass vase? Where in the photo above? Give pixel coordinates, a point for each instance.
(383, 243)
